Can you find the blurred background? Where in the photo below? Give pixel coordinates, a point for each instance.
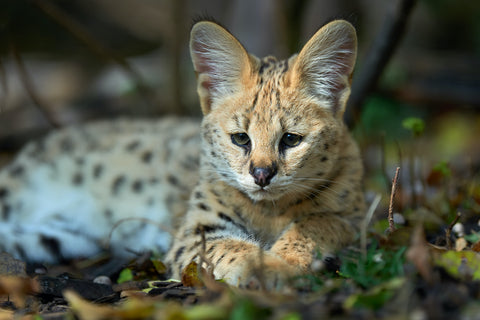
(66, 62)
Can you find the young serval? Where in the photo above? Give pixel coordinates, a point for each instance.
(273, 175)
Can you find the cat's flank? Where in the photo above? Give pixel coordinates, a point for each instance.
(273, 175)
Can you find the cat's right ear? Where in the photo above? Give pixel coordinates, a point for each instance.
(220, 61)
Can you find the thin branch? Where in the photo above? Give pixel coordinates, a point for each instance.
(28, 84)
(448, 231)
(380, 53)
(4, 87)
(391, 224)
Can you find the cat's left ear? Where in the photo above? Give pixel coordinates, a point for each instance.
(325, 64)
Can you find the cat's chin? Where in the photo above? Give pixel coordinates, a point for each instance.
(264, 195)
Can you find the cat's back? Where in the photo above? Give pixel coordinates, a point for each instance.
(76, 184)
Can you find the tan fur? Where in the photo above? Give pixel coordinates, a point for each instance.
(314, 200)
(262, 206)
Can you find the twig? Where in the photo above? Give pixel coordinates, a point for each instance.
(4, 87)
(380, 53)
(448, 231)
(391, 224)
(28, 84)
(204, 260)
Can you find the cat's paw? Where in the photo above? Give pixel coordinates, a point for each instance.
(271, 274)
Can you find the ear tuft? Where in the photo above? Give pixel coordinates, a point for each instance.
(325, 64)
(219, 61)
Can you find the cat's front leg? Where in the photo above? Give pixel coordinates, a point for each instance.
(317, 233)
(238, 262)
(246, 265)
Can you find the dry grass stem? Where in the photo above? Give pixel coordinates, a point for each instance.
(391, 224)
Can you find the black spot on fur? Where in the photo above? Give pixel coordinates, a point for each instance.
(137, 186)
(52, 245)
(97, 171)
(208, 228)
(3, 192)
(17, 171)
(323, 159)
(132, 146)
(210, 250)
(199, 195)
(77, 179)
(226, 218)
(203, 206)
(80, 161)
(178, 253)
(108, 213)
(20, 252)
(147, 156)
(221, 258)
(117, 183)
(238, 212)
(172, 180)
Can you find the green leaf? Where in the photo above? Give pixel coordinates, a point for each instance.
(376, 297)
(443, 168)
(460, 264)
(377, 266)
(292, 316)
(474, 237)
(159, 266)
(125, 275)
(246, 309)
(415, 125)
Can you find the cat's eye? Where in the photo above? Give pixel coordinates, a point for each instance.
(241, 139)
(291, 140)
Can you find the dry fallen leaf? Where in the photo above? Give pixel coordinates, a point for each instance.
(476, 246)
(419, 254)
(190, 276)
(17, 288)
(131, 308)
(460, 244)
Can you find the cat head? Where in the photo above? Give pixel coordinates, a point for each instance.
(271, 128)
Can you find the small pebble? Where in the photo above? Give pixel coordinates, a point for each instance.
(458, 229)
(103, 280)
(398, 219)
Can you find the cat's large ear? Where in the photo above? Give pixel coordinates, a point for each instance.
(220, 61)
(324, 66)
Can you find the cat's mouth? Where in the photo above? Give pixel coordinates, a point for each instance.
(264, 193)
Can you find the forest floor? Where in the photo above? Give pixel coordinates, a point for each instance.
(417, 255)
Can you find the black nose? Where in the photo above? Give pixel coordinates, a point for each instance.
(262, 176)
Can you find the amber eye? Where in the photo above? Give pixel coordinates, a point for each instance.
(241, 139)
(291, 139)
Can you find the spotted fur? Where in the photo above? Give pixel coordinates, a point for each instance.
(272, 172)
